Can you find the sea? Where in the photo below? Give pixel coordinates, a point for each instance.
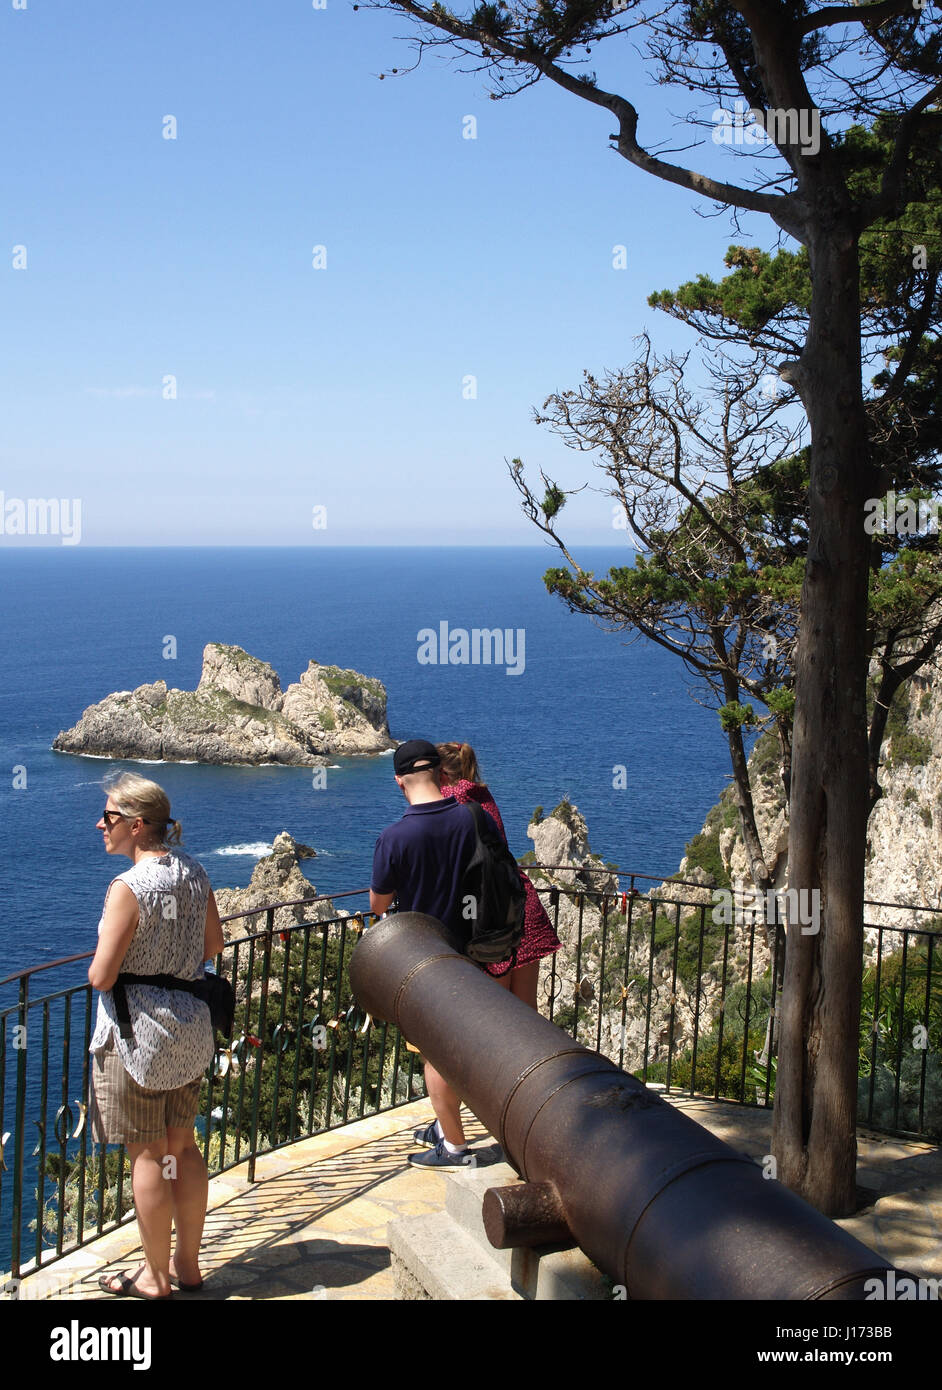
(578, 712)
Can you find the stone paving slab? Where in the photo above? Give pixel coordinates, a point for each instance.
(313, 1225)
(904, 1225)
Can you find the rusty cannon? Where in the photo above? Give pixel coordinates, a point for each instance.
(657, 1202)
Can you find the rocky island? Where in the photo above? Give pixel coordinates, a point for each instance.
(238, 714)
(276, 878)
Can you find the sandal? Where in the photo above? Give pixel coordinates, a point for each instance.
(185, 1288)
(127, 1288)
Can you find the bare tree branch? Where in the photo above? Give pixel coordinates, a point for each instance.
(833, 15)
(783, 208)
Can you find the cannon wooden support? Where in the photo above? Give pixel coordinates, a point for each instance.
(656, 1201)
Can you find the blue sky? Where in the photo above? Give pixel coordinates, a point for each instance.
(344, 387)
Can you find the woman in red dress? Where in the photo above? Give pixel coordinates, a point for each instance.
(461, 778)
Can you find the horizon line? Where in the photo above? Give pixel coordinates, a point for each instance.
(346, 545)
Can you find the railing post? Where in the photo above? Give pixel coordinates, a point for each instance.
(19, 1125)
(262, 1025)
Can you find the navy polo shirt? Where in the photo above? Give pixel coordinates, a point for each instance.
(422, 858)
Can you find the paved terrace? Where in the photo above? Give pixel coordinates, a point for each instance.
(313, 1224)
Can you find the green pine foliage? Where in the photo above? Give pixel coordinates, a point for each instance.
(903, 746)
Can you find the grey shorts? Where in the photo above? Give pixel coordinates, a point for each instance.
(122, 1112)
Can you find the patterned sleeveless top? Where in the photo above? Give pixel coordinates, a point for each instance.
(173, 1038)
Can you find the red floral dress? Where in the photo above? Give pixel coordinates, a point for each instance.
(539, 939)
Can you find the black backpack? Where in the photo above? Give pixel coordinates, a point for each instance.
(492, 897)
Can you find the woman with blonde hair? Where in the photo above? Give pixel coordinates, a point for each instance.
(461, 778)
(151, 1045)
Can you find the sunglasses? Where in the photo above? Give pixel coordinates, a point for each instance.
(110, 817)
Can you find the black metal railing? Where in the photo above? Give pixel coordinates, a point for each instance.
(682, 989)
(677, 988)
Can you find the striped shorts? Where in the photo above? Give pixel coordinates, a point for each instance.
(122, 1112)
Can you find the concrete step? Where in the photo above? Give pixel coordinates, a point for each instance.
(464, 1198)
(433, 1258)
(448, 1256)
(547, 1272)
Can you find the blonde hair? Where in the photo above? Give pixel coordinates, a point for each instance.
(459, 762)
(135, 796)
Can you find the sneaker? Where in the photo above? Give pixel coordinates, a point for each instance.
(439, 1157)
(429, 1136)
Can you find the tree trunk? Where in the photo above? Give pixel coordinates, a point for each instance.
(891, 678)
(758, 868)
(814, 1133)
(742, 792)
(784, 732)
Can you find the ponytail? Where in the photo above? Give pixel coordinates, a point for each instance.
(459, 762)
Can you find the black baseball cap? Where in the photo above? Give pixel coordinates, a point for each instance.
(408, 755)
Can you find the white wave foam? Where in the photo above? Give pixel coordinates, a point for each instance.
(99, 757)
(120, 758)
(255, 850)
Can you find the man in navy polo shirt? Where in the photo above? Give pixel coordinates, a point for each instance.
(420, 861)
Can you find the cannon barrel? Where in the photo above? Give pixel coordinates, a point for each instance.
(655, 1200)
